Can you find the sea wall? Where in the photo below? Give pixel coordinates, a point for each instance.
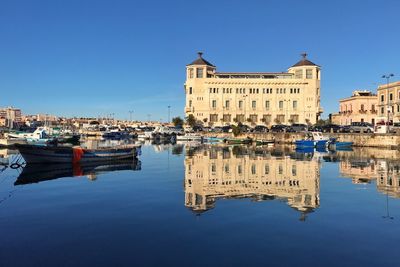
(359, 139)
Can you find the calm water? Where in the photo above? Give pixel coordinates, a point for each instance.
(206, 206)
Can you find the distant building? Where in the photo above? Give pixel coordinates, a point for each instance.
(360, 107)
(10, 116)
(389, 102)
(223, 98)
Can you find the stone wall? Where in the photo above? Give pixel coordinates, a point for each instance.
(359, 139)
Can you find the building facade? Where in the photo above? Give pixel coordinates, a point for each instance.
(389, 102)
(223, 98)
(10, 116)
(362, 106)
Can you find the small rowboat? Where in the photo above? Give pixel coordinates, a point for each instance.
(46, 154)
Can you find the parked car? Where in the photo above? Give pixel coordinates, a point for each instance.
(197, 128)
(298, 127)
(244, 128)
(260, 129)
(344, 129)
(226, 129)
(281, 128)
(395, 128)
(361, 127)
(331, 127)
(315, 128)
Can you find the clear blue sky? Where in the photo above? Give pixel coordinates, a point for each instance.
(90, 58)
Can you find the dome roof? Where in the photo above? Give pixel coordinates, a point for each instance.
(201, 61)
(304, 62)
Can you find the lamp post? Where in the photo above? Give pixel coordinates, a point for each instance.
(130, 115)
(169, 114)
(387, 77)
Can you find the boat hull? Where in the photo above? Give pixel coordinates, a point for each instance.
(43, 154)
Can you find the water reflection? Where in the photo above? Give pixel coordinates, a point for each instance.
(366, 165)
(213, 173)
(35, 173)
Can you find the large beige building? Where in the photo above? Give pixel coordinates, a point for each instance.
(223, 173)
(389, 102)
(362, 106)
(221, 98)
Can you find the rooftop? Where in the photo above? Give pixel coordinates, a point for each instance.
(304, 62)
(201, 61)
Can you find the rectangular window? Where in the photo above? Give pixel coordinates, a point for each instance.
(280, 118)
(280, 104)
(240, 104)
(299, 74)
(190, 73)
(294, 104)
(294, 118)
(253, 118)
(309, 74)
(382, 98)
(226, 118)
(190, 103)
(190, 90)
(266, 169)
(267, 119)
(267, 105)
(227, 104)
(240, 118)
(213, 117)
(253, 104)
(199, 73)
(390, 97)
(214, 104)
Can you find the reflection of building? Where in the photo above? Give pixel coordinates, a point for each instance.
(388, 181)
(360, 107)
(222, 173)
(365, 165)
(360, 171)
(221, 98)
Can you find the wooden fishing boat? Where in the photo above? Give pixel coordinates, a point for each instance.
(44, 154)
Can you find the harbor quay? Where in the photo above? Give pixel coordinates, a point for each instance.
(391, 141)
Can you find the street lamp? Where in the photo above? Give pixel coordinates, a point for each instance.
(387, 77)
(169, 114)
(130, 115)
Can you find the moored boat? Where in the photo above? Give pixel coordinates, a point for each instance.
(312, 139)
(44, 154)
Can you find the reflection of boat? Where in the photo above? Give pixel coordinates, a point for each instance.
(234, 141)
(35, 173)
(189, 137)
(45, 154)
(333, 144)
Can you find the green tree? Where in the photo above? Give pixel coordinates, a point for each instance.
(191, 120)
(177, 121)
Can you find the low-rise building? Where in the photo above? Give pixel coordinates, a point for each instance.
(360, 107)
(389, 102)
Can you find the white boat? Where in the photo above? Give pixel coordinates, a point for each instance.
(189, 137)
(39, 136)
